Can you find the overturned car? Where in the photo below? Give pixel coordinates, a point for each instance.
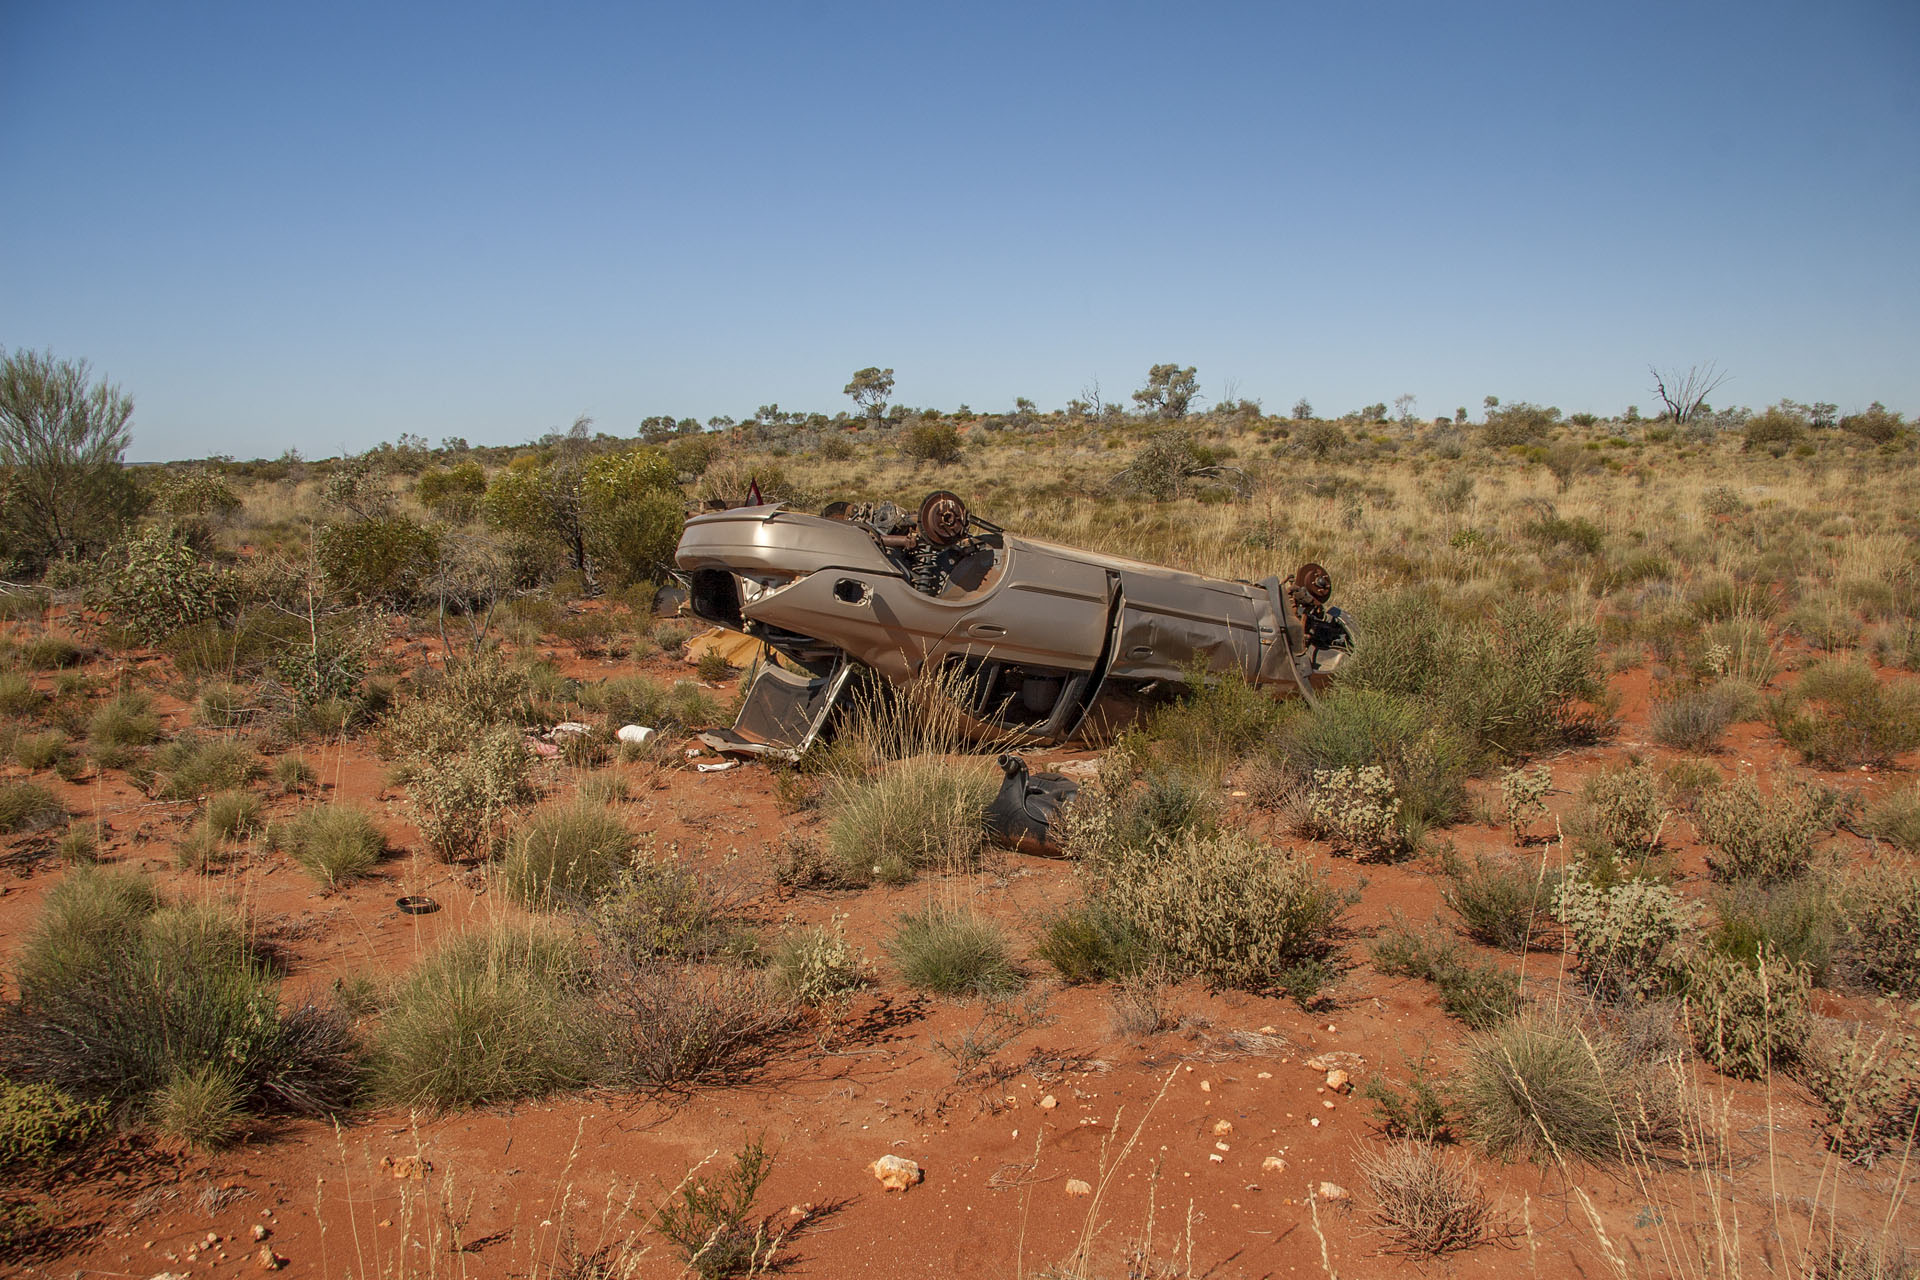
(1047, 644)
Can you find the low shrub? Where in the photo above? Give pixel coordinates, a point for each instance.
(1747, 1018)
(39, 1122)
(570, 854)
(1479, 994)
(1799, 920)
(1696, 719)
(202, 1105)
(677, 1025)
(124, 722)
(1841, 715)
(1220, 719)
(79, 847)
(1425, 759)
(494, 1015)
(711, 1221)
(36, 751)
(666, 909)
(1543, 1087)
(1426, 1203)
(384, 559)
(463, 801)
(953, 952)
(1424, 1111)
(1869, 1085)
(225, 706)
(26, 807)
(1088, 943)
(19, 696)
(291, 773)
(1229, 909)
(1523, 796)
(1499, 900)
(232, 815)
(917, 815)
(640, 700)
(1625, 936)
(334, 843)
(935, 442)
(1356, 811)
(155, 584)
(1765, 838)
(1895, 819)
(1881, 907)
(1621, 814)
(816, 965)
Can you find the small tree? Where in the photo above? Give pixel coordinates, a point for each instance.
(1302, 409)
(870, 388)
(1170, 390)
(62, 435)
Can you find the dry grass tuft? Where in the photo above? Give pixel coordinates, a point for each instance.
(1426, 1203)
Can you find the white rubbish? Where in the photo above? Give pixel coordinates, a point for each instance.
(637, 734)
(721, 767)
(569, 727)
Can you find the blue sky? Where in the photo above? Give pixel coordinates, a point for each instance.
(320, 226)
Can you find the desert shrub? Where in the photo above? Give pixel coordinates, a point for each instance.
(1518, 423)
(462, 801)
(677, 1025)
(1219, 720)
(27, 807)
(1696, 719)
(493, 1015)
(18, 695)
(1861, 1257)
(453, 493)
(1798, 920)
(224, 706)
(1621, 814)
(79, 847)
(1427, 762)
(1523, 796)
(816, 965)
(1869, 1085)
(1895, 819)
(1479, 994)
(935, 442)
(1500, 901)
(1746, 1018)
(916, 815)
(334, 843)
(1575, 534)
(384, 559)
(1543, 1087)
(953, 952)
(664, 909)
(640, 700)
(292, 773)
(194, 767)
(1088, 943)
(123, 722)
(119, 994)
(1876, 424)
(1625, 936)
(156, 584)
(711, 1221)
(38, 1122)
(1229, 909)
(1355, 810)
(201, 850)
(203, 1105)
(713, 666)
(1881, 907)
(573, 853)
(49, 653)
(231, 815)
(35, 751)
(1769, 839)
(1424, 1111)
(1774, 431)
(1427, 1203)
(1841, 715)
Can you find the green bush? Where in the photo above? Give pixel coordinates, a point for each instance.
(1229, 909)
(953, 953)
(917, 815)
(1355, 811)
(124, 722)
(1841, 715)
(224, 706)
(453, 493)
(385, 559)
(18, 695)
(334, 843)
(1218, 721)
(119, 994)
(1881, 907)
(35, 751)
(1625, 936)
(1087, 943)
(1747, 1018)
(664, 909)
(816, 965)
(935, 442)
(1768, 839)
(1426, 761)
(232, 815)
(1542, 1087)
(1876, 424)
(1621, 815)
(490, 1016)
(156, 585)
(570, 854)
(1774, 431)
(1576, 534)
(1799, 920)
(1425, 1111)
(640, 700)
(712, 1225)
(39, 1122)
(203, 1105)
(49, 653)
(1500, 901)
(26, 807)
(194, 767)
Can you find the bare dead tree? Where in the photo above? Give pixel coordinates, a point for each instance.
(1684, 391)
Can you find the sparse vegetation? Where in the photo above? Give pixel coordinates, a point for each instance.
(336, 844)
(953, 952)
(1544, 1087)
(917, 815)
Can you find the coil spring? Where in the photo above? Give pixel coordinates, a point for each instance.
(923, 569)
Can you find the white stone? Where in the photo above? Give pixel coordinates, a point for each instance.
(896, 1173)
